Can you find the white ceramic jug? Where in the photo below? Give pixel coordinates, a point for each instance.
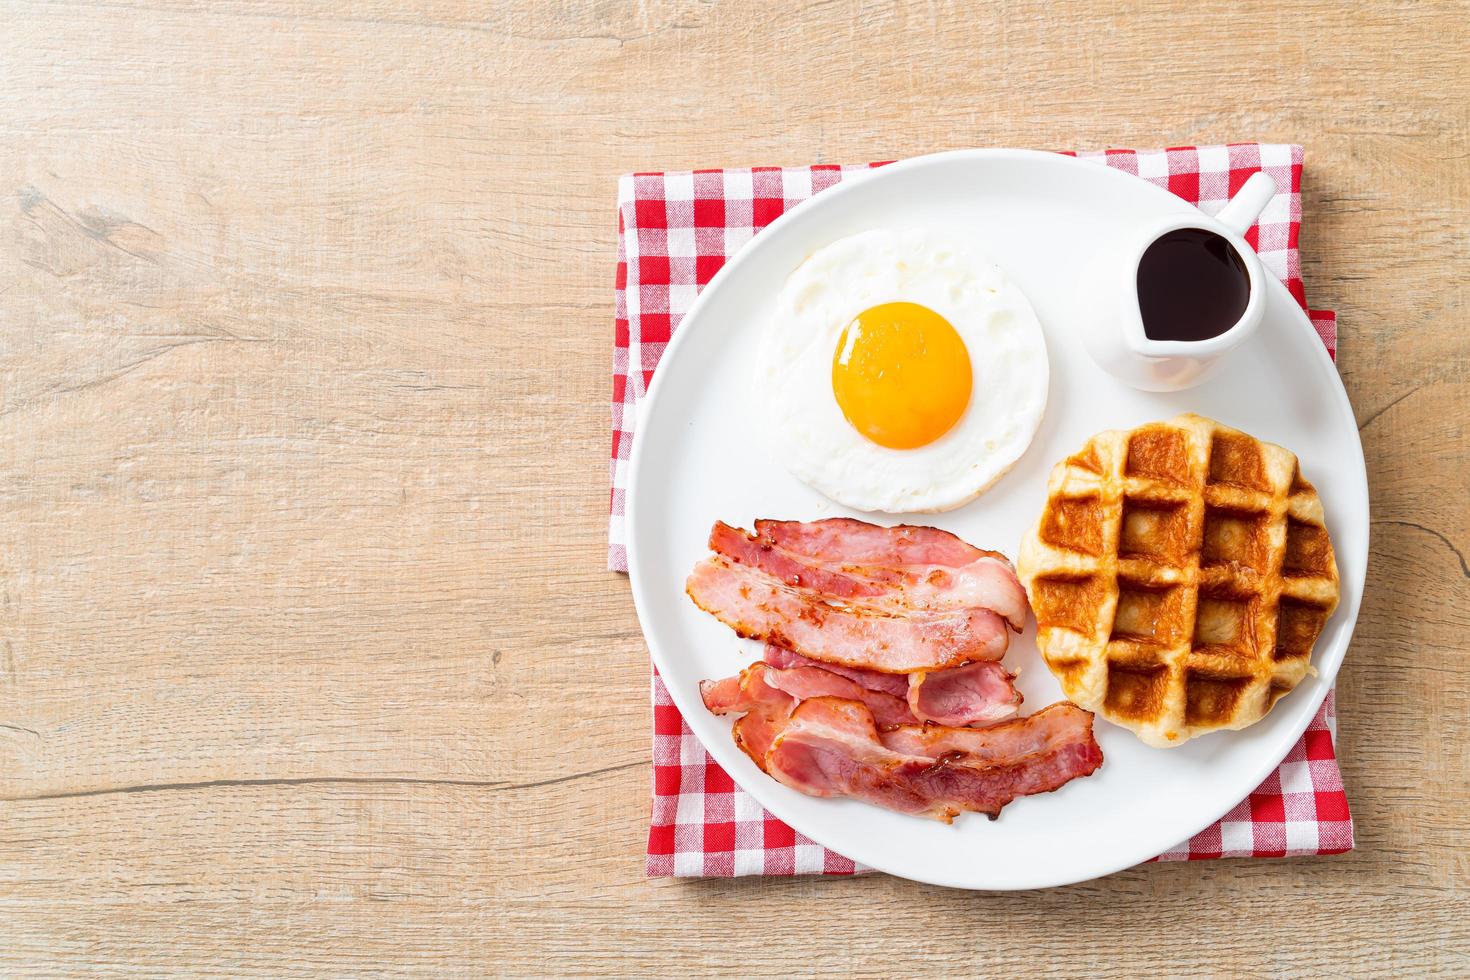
(1115, 334)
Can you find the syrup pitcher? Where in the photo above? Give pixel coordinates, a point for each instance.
(1179, 294)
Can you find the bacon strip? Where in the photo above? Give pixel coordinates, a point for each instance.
(846, 540)
(766, 710)
(895, 684)
(761, 687)
(755, 731)
(831, 747)
(979, 693)
(986, 583)
(792, 569)
(760, 606)
(879, 566)
(1054, 725)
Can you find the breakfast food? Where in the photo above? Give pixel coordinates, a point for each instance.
(902, 567)
(901, 371)
(759, 606)
(1180, 574)
(977, 693)
(894, 600)
(800, 684)
(831, 746)
(981, 692)
(882, 661)
(895, 684)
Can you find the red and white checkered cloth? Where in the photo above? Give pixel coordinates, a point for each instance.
(675, 230)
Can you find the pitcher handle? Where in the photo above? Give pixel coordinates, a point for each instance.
(1248, 203)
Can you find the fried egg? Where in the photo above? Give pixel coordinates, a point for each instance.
(901, 371)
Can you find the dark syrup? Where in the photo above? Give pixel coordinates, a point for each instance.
(1191, 286)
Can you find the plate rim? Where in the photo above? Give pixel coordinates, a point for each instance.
(849, 185)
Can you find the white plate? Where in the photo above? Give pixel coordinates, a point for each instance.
(699, 456)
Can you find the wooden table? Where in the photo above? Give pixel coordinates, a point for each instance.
(308, 658)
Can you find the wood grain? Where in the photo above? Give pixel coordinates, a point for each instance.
(308, 660)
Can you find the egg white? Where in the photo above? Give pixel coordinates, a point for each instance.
(945, 270)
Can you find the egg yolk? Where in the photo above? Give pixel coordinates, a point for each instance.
(901, 375)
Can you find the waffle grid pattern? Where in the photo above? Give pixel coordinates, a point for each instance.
(1180, 575)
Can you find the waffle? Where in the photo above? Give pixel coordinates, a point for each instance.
(1180, 574)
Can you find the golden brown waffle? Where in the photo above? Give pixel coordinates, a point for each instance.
(1180, 574)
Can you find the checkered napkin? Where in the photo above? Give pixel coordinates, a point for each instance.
(675, 230)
